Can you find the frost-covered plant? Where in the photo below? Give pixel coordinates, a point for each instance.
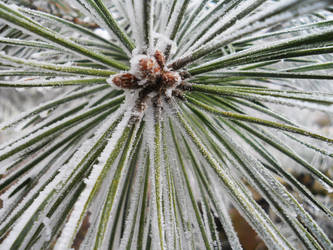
(182, 110)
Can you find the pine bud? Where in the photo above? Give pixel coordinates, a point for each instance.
(125, 81)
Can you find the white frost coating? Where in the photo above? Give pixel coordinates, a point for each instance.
(134, 203)
(266, 179)
(56, 35)
(40, 132)
(167, 208)
(184, 234)
(135, 65)
(103, 33)
(228, 18)
(150, 141)
(161, 21)
(86, 147)
(200, 26)
(205, 220)
(259, 48)
(13, 6)
(62, 136)
(139, 18)
(64, 173)
(164, 41)
(147, 228)
(278, 192)
(38, 109)
(242, 199)
(149, 133)
(268, 10)
(240, 29)
(90, 11)
(174, 17)
(137, 31)
(152, 206)
(9, 202)
(25, 217)
(303, 7)
(65, 240)
(48, 230)
(117, 197)
(168, 92)
(252, 24)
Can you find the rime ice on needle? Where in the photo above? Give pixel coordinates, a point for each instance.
(150, 80)
(99, 168)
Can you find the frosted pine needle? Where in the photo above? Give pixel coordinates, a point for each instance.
(166, 124)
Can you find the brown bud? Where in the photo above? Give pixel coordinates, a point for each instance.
(170, 78)
(160, 58)
(125, 81)
(148, 67)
